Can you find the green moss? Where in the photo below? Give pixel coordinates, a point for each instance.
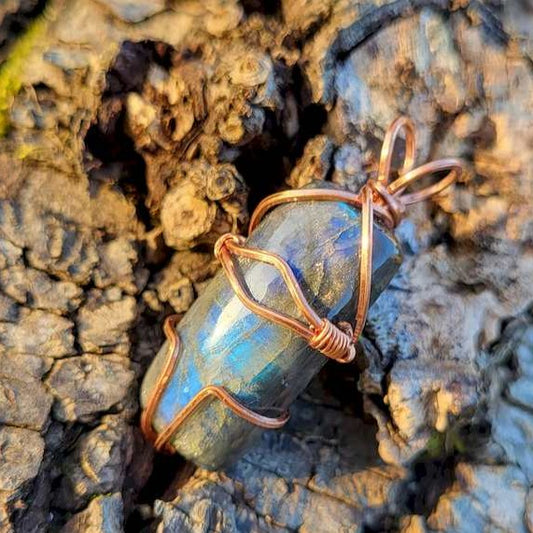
(23, 151)
(12, 69)
(435, 446)
(441, 444)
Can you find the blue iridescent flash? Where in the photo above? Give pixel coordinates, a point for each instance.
(262, 364)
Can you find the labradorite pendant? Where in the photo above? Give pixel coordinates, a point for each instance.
(263, 364)
(282, 304)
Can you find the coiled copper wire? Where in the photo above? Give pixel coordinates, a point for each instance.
(380, 197)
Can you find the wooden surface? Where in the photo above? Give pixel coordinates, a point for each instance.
(135, 133)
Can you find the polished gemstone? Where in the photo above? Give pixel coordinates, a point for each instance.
(262, 364)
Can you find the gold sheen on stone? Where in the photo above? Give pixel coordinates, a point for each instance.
(283, 303)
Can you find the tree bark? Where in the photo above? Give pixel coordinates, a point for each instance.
(135, 133)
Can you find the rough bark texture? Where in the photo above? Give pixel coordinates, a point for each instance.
(135, 133)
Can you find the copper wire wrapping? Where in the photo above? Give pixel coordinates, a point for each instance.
(161, 441)
(378, 197)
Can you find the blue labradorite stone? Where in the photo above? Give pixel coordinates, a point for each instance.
(262, 364)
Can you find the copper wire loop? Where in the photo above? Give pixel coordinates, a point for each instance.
(378, 197)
